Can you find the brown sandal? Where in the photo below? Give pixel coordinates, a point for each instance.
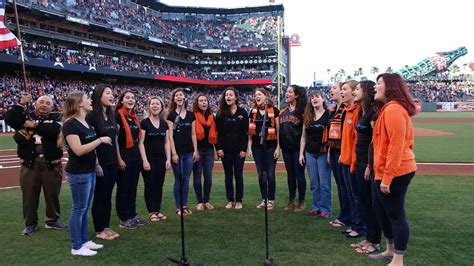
(161, 216)
(368, 249)
(105, 235)
(337, 223)
(154, 217)
(360, 244)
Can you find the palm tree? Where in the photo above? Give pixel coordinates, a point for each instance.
(374, 70)
(389, 70)
(454, 69)
(342, 73)
(361, 72)
(329, 74)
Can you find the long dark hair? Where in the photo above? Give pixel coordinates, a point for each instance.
(196, 108)
(224, 109)
(120, 104)
(97, 108)
(368, 92)
(396, 89)
(301, 101)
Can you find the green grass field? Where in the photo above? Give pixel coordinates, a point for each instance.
(440, 211)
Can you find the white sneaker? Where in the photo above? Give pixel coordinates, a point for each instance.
(83, 251)
(91, 245)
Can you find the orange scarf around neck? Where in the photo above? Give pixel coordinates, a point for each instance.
(201, 123)
(124, 113)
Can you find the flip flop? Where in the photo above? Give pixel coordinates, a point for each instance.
(337, 223)
(368, 249)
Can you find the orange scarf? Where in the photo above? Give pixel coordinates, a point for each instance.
(124, 113)
(271, 135)
(201, 123)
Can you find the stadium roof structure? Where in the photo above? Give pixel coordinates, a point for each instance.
(156, 5)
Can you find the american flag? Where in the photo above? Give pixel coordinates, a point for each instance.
(7, 39)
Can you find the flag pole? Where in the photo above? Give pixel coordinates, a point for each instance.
(22, 57)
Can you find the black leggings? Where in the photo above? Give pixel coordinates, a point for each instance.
(390, 211)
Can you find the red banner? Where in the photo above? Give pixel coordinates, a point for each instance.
(215, 82)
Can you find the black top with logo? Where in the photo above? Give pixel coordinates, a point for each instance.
(154, 138)
(291, 128)
(182, 130)
(232, 132)
(314, 134)
(79, 164)
(106, 154)
(133, 153)
(364, 136)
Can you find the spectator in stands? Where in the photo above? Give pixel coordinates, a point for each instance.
(40, 153)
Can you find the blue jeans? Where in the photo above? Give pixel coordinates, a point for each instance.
(233, 166)
(183, 168)
(265, 164)
(82, 191)
(295, 172)
(344, 203)
(319, 173)
(353, 194)
(127, 182)
(203, 166)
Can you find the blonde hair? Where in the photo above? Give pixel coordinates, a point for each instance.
(162, 113)
(71, 106)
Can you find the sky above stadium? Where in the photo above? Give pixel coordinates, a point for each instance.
(350, 34)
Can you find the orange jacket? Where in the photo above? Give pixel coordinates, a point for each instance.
(393, 143)
(349, 136)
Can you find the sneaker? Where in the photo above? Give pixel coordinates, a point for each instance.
(91, 245)
(129, 224)
(290, 206)
(238, 205)
(139, 221)
(300, 207)
(58, 225)
(229, 205)
(200, 207)
(83, 251)
(29, 230)
(208, 206)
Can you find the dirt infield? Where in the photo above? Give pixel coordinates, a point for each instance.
(10, 167)
(443, 120)
(427, 132)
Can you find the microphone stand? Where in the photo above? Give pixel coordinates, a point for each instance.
(263, 135)
(184, 260)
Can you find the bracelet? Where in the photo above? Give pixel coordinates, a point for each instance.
(100, 140)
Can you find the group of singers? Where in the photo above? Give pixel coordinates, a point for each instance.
(366, 142)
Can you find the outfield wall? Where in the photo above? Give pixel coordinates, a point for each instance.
(447, 107)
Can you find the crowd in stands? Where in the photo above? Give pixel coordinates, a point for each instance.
(55, 53)
(60, 88)
(190, 30)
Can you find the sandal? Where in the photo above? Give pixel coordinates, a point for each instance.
(161, 216)
(112, 232)
(368, 249)
(337, 223)
(360, 244)
(105, 235)
(154, 217)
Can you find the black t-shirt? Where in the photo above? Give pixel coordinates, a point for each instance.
(133, 153)
(291, 128)
(271, 144)
(364, 136)
(182, 130)
(106, 154)
(314, 133)
(154, 138)
(232, 132)
(85, 163)
(204, 145)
